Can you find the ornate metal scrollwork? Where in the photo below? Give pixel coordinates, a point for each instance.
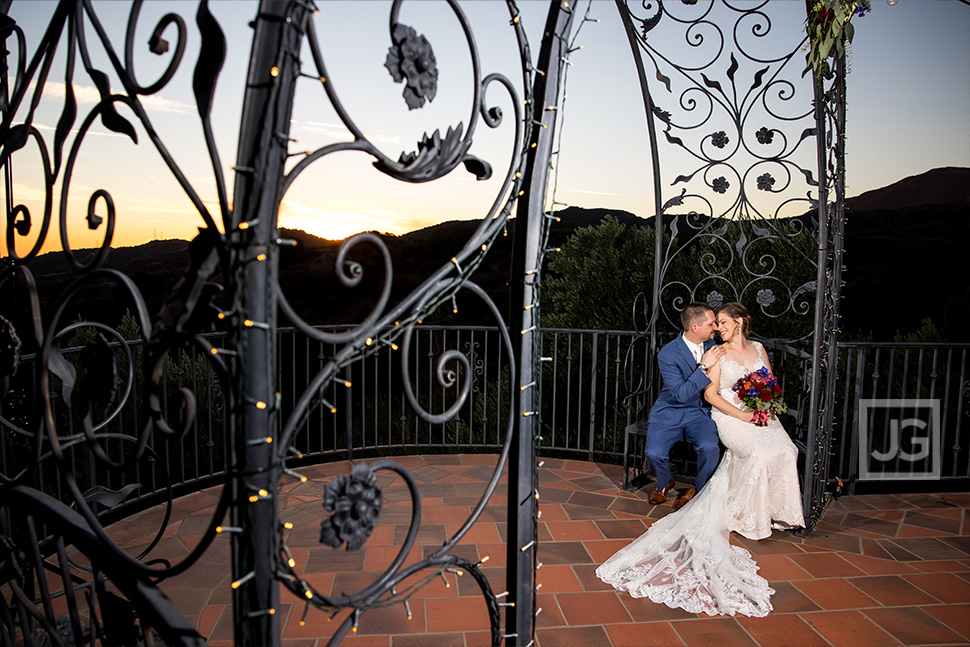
(411, 60)
(740, 119)
(80, 396)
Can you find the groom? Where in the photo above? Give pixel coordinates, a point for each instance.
(680, 408)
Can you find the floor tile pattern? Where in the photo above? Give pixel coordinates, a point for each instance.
(878, 570)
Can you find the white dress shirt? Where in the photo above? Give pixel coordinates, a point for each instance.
(697, 350)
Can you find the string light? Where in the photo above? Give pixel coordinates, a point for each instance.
(301, 478)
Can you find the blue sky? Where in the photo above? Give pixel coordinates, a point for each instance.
(908, 111)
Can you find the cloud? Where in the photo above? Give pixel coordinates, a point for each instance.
(595, 192)
(89, 95)
(339, 132)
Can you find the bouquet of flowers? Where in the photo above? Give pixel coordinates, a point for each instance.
(760, 394)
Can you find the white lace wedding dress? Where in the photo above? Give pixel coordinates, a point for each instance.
(685, 560)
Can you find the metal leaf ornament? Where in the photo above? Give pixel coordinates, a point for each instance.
(356, 507)
(411, 58)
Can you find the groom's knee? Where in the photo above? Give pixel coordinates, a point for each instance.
(707, 446)
(655, 454)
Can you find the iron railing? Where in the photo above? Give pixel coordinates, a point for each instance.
(583, 412)
(591, 392)
(902, 407)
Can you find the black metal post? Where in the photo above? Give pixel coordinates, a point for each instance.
(648, 109)
(259, 169)
(830, 140)
(524, 323)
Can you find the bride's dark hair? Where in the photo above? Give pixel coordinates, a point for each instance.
(735, 310)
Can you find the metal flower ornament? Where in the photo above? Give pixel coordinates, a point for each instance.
(356, 507)
(411, 58)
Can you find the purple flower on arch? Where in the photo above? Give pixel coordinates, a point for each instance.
(720, 184)
(411, 58)
(719, 139)
(764, 136)
(765, 182)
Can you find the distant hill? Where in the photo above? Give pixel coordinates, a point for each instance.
(905, 246)
(949, 186)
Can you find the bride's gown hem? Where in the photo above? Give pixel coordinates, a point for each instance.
(685, 560)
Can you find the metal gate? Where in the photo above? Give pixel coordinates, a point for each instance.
(232, 285)
(751, 209)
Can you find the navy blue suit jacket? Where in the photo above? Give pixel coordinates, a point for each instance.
(683, 384)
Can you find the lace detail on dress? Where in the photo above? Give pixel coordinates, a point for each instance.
(686, 560)
(761, 464)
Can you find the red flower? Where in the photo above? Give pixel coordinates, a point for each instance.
(765, 396)
(776, 389)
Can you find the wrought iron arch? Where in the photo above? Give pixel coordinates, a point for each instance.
(232, 285)
(757, 215)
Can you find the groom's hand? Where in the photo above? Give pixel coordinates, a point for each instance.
(712, 355)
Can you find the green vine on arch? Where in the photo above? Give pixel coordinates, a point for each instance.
(827, 21)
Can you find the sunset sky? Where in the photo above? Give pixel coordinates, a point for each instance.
(908, 112)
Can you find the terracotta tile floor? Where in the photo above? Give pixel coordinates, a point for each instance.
(879, 569)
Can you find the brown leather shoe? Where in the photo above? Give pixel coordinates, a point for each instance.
(688, 495)
(660, 496)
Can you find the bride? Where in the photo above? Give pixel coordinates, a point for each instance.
(685, 560)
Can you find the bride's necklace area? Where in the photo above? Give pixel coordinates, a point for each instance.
(739, 355)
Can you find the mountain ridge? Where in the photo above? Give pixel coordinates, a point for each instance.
(882, 246)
